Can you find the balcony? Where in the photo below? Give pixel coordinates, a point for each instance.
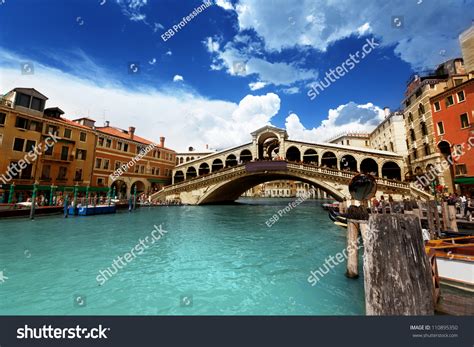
(6, 103)
(58, 157)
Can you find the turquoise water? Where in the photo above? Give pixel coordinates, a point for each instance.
(213, 260)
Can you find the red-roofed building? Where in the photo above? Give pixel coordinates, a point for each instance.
(118, 161)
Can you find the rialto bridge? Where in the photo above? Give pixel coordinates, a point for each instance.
(225, 175)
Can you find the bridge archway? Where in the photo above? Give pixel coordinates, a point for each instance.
(230, 161)
(329, 160)
(178, 176)
(391, 171)
(268, 145)
(217, 165)
(293, 154)
(230, 191)
(310, 156)
(203, 169)
(369, 166)
(191, 173)
(348, 163)
(245, 156)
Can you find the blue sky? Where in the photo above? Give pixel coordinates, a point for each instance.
(192, 88)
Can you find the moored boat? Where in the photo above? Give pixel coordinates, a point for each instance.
(455, 260)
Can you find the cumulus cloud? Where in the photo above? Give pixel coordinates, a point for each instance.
(184, 118)
(427, 26)
(225, 4)
(240, 62)
(256, 85)
(350, 117)
(133, 9)
(178, 78)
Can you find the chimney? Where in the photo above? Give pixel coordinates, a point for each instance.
(386, 111)
(107, 123)
(162, 141)
(131, 132)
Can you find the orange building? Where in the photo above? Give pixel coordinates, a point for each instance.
(40, 147)
(453, 119)
(124, 160)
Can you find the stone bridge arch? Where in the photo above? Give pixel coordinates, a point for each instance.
(232, 189)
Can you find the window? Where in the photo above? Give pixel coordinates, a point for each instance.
(21, 123)
(421, 109)
(457, 81)
(410, 117)
(26, 172)
(391, 147)
(62, 174)
(100, 181)
(152, 170)
(427, 149)
(64, 153)
(3, 116)
(142, 169)
(461, 96)
(119, 146)
(106, 164)
(418, 93)
(100, 141)
(449, 101)
(117, 164)
(78, 175)
(35, 126)
(108, 143)
(49, 150)
(98, 163)
(81, 154)
(440, 128)
(18, 145)
(23, 100)
(464, 121)
(412, 135)
(30, 145)
(415, 154)
(83, 137)
(37, 104)
(137, 168)
(51, 129)
(424, 129)
(125, 147)
(46, 172)
(347, 142)
(407, 103)
(461, 169)
(437, 106)
(67, 133)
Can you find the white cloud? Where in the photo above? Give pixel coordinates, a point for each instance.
(238, 62)
(257, 85)
(428, 27)
(132, 9)
(292, 90)
(178, 78)
(225, 4)
(169, 53)
(345, 118)
(195, 120)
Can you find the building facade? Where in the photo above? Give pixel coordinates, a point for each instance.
(423, 153)
(41, 149)
(453, 116)
(119, 164)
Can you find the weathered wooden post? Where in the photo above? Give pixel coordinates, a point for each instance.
(361, 187)
(397, 272)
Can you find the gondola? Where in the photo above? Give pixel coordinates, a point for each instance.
(337, 218)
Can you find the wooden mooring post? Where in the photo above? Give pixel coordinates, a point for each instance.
(397, 272)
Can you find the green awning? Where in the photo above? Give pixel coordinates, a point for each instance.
(464, 180)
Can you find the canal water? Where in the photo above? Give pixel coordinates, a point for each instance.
(212, 260)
